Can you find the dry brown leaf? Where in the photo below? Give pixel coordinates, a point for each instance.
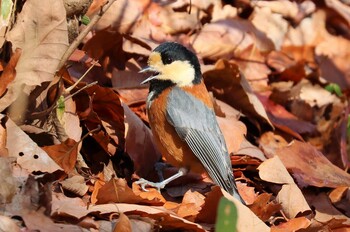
(97, 186)
(340, 197)
(263, 207)
(70, 120)
(273, 24)
(28, 154)
(122, 16)
(253, 224)
(292, 225)
(64, 154)
(192, 203)
(123, 224)
(139, 143)
(209, 209)
(75, 184)
(223, 11)
(82, 57)
(41, 33)
(233, 131)
(108, 112)
(9, 72)
(117, 190)
(325, 211)
(252, 63)
(341, 8)
(35, 220)
(8, 224)
(74, 207)
(308, 165)
(3, 136)
(172, 22)
(130, 78)
(152, 196)
(246, 192)
(290, 197)
(221, 39)
(8, 182)
(292, 201)
(246, 148)
(285, 121)
(230, 86)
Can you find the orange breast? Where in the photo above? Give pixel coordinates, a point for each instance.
(175, 150)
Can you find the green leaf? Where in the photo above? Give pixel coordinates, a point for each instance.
(6, 9)
(85, 20)
(60, 107)
(334, 88)
(227, 216)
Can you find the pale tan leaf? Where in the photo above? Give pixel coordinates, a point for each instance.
(341, 8)
(293, 224)
(290, 196)
(223, 38)
(8, 224)
(75, 207)
(28, 154)
(273, 24)
(8, 184)
(272, 170)
(293, 201)
(41, 33)
(75, 184)
(253, 224)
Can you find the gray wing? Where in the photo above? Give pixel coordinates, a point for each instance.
(196, 124)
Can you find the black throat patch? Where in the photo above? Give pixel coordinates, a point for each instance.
(157, 87)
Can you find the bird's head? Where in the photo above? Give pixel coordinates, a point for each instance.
(173, 62)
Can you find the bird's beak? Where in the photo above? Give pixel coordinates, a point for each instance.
(150, 70)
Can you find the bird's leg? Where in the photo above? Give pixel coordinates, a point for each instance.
(159, 166)
(159, 185)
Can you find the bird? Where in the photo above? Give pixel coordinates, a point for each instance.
(182, 118)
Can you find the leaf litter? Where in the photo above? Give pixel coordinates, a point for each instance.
(69, 158)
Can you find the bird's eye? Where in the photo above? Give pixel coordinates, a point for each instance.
(168, 60)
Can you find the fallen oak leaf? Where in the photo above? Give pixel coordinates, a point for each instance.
(293, 224)
(28, 154)
(307, 164)
(290, 196)
(64, 154)
(123, 224)
(229, 85)
(41, 32)
(76, 208)
(9, 72)
(263, 207)
(117, 190)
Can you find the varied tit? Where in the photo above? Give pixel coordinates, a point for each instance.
(182, 118)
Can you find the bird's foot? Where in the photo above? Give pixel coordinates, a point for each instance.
(143, 183)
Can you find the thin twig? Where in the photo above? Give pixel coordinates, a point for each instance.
(82, 35)
(70, 88)
(85, 87)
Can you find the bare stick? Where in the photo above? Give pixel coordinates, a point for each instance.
(82, 35)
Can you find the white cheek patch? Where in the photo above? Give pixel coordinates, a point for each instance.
(180, 72)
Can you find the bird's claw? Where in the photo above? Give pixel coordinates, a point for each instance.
(143, 183)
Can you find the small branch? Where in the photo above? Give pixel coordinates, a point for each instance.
(82, 77)
(82, 35)
(85, 87)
